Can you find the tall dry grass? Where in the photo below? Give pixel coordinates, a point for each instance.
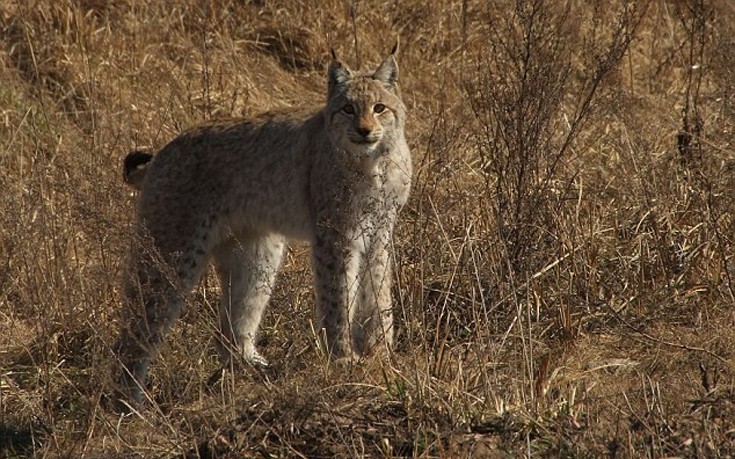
(564, 269)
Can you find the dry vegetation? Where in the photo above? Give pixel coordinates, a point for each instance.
(565, 267)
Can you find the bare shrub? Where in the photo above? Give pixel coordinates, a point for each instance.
(534, 95)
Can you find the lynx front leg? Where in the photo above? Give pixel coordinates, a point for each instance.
(336, 280)
(373, 319)
(247, 271)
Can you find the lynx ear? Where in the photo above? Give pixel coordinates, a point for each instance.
(338, 73)
(387, 72)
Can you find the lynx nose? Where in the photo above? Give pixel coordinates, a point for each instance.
(363, 131)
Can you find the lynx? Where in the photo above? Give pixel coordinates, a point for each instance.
(235, 192)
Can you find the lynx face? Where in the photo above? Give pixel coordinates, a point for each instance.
(364, 112)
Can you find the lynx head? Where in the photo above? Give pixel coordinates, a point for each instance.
(365, 114)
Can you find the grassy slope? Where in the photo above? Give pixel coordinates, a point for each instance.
(554, 298)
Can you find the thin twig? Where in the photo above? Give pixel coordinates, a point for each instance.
(652, 338)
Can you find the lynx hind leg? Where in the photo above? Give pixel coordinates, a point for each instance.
(372, 322)
(153, 301)
(247, 270)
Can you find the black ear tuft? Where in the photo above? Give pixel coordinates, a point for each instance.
(394, 51)
(339, 74)
(387, 72)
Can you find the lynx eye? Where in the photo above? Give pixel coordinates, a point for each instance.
(349, 109)
(379, 108)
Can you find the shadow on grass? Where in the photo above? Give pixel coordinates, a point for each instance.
(17, 443)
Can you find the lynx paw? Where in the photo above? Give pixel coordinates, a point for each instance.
(257, 360)
(347, 361)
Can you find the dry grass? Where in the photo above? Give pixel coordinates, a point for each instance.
(565, 267)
